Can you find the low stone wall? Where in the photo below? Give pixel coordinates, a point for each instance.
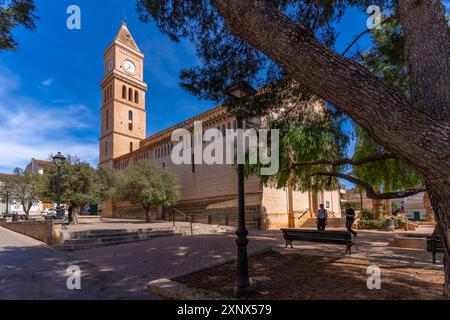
(44, 231)
(89, 219)
(220, 211)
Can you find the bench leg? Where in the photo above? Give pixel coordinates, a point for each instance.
(288, 242)
(349, 249)
(433, 249)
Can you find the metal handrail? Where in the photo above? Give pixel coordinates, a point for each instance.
(303, 214)
(188, 217)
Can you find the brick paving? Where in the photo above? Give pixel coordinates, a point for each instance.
(170, 257)
(31, 270)
(176, 256)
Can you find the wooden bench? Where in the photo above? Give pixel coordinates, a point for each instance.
(335, 237)
(434, 245)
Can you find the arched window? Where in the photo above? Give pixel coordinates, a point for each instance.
(131, 146)
(130, 94)
(124, 92)
(136, 97)
(110, 92)
(106, 148)
(104, 96)
(107, 119)
(130, 120)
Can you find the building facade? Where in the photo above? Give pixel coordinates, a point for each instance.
(208, 192)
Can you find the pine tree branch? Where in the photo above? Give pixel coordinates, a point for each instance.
(370, 192)
(340, 162)
(388, 19)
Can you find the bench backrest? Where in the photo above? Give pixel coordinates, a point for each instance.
(439, 245)
(314, 235)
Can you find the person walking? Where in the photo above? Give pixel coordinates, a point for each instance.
(322, 217)
(350, 219)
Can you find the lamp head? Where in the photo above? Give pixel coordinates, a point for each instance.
(240, 89)
(59, 159)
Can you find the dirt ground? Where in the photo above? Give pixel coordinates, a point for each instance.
(288, 276)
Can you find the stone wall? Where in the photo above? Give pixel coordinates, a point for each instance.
(220, 211)
(44, 231)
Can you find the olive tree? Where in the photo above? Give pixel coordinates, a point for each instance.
(146, 185)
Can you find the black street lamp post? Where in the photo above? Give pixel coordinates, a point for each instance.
(237, 91)
(59, 160)
(7, 202)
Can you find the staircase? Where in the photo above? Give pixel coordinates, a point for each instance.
(82, 240)
(333, 223)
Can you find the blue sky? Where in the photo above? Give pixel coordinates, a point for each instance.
(50, 93)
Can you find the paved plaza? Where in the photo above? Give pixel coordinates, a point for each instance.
(32, 270)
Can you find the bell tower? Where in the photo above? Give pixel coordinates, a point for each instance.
(123, 114)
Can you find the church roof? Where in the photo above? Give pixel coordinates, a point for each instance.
(124, 36)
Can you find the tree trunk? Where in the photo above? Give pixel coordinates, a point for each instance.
(439, 193)
(429, 215)
(376, 209)
(416, 130)
(147, 214)
(26, 209)
(387, 207)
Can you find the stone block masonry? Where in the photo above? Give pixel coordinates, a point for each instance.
(45, 231)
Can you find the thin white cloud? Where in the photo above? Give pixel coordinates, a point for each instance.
(31, 129)
(47, 82)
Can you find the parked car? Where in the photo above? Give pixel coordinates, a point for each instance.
(51, 213)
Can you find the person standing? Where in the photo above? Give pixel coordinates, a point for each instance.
(350, 219)
(70, 213)
(322, 217)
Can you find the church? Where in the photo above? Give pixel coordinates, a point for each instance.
(208, 192)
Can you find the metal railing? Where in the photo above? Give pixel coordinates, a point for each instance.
(209, 218)
(303, 214)
(189, 218)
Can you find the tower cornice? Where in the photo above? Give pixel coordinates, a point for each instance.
(123, 46)
(116, 74)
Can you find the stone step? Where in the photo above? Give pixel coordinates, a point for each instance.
(332, 223)
(113, 233)
(113, 238)
(89, 244)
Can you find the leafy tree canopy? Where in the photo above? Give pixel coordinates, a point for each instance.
(317, 135)
(22, 187)
(12, 14)
(146, 185)
(80, 183)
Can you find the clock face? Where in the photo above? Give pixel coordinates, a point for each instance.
(129, 66)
